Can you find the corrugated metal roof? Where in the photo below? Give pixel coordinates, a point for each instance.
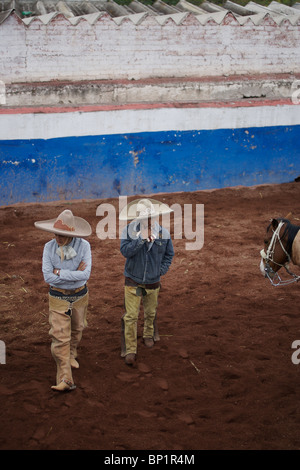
(92, 10)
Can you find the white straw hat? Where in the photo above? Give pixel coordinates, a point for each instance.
(66, 224)
(143, 209)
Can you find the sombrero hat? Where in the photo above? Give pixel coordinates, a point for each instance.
(66, 224)
(143, 209)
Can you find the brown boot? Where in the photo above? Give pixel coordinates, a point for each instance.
(148, 342)
(130, 359)
(64, 386)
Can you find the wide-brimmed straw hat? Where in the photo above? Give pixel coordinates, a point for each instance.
(143, 209)
(66, 224)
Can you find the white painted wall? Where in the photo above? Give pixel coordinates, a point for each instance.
(129, 121)
(105, 50)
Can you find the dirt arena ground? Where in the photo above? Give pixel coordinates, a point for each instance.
(222, 375)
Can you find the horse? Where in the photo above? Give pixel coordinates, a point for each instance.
(282, 245)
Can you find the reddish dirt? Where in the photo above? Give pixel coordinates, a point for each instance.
(221, 376)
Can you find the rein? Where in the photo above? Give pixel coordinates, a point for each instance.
(268, 257)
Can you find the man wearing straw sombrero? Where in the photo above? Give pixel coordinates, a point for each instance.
(66, 267)
(148, 250)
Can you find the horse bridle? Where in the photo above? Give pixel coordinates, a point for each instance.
(269, 257)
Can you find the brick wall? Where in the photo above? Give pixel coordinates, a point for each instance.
(105, 50)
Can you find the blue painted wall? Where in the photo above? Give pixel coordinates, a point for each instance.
(146, 163)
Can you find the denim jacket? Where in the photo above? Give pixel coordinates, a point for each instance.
(146, 261)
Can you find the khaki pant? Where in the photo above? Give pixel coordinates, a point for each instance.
(130, 318)
(66, 332)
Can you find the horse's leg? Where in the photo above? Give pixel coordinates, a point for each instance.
(296, 249)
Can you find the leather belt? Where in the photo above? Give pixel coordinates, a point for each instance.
(68, 291)
(132, 283)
